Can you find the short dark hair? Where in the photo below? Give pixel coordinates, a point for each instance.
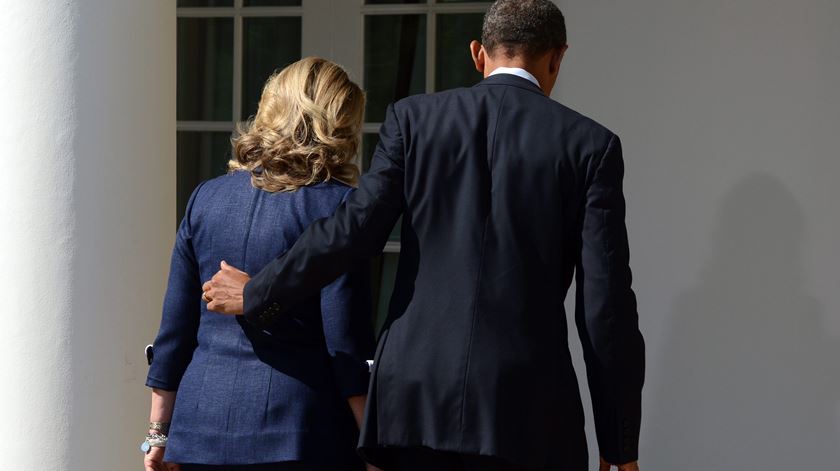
(523, 27)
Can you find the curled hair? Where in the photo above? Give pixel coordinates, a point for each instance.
(527, 27)
(307, 129)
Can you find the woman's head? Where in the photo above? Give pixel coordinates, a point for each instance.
(306, 130)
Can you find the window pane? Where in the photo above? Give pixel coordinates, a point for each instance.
(395, 60)
(395, 233)
(454, 66)
(201, 155)
(270, 44)
(383, 275)
(205, 3)
(272, 3)
(205, 69)
(369, 142)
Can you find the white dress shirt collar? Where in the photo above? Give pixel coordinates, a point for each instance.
(516, 71)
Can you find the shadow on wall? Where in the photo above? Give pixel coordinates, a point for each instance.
(750, 379)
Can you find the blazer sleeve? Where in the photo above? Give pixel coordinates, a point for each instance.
(606, 315)
(177, 336)
(348, 331)
(358, 230)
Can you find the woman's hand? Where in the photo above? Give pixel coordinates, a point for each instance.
(154, 461)
(371, 467)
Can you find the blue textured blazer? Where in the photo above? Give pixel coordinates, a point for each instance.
(269, 394)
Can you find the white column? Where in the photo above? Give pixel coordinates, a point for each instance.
(87, 207)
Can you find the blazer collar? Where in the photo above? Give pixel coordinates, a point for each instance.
(512, 80)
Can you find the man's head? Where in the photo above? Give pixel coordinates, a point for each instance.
(530, 34)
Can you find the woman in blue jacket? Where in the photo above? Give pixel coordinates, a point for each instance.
(227, 395)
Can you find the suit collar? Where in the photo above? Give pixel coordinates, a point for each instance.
(512, 80)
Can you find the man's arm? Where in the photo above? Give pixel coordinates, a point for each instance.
(358, 230)
(606, 315)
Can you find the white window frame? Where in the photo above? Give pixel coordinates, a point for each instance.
(333, 29)
(238, 12)
(431, 9)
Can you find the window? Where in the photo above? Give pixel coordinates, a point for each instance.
(411, 47)
(226, 51)
(394, 48)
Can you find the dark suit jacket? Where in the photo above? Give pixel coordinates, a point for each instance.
(275, 393)
(505, 195)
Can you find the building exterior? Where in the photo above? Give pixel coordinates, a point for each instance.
(116, 109)
(393, 48)
(112, 110)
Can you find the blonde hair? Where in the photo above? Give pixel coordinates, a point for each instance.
(306, 130)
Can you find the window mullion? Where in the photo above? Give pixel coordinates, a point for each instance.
(238, 53)
(204, 12)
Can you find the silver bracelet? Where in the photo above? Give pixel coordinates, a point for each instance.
(157, 440)
(162, 427)
(154, 440)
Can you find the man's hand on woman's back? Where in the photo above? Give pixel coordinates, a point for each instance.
(224, 292)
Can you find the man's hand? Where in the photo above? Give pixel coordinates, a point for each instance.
(223, 293)
(634, 466)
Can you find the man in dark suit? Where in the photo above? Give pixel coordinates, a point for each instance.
(505, 195)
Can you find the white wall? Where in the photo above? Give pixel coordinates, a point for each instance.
(125, 217)
(87, 203)
(729, 112)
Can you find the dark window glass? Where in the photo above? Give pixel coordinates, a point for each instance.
(272, 3)
(369, 142)
(201, 155)
(270, 44)
(384, 267)
(205, 3)
(205, 69)
(383, 274)
(454, 66)
(395, 233)
(395, 60)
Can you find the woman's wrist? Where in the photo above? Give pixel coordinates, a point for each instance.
(160, 427)
(154, 439)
